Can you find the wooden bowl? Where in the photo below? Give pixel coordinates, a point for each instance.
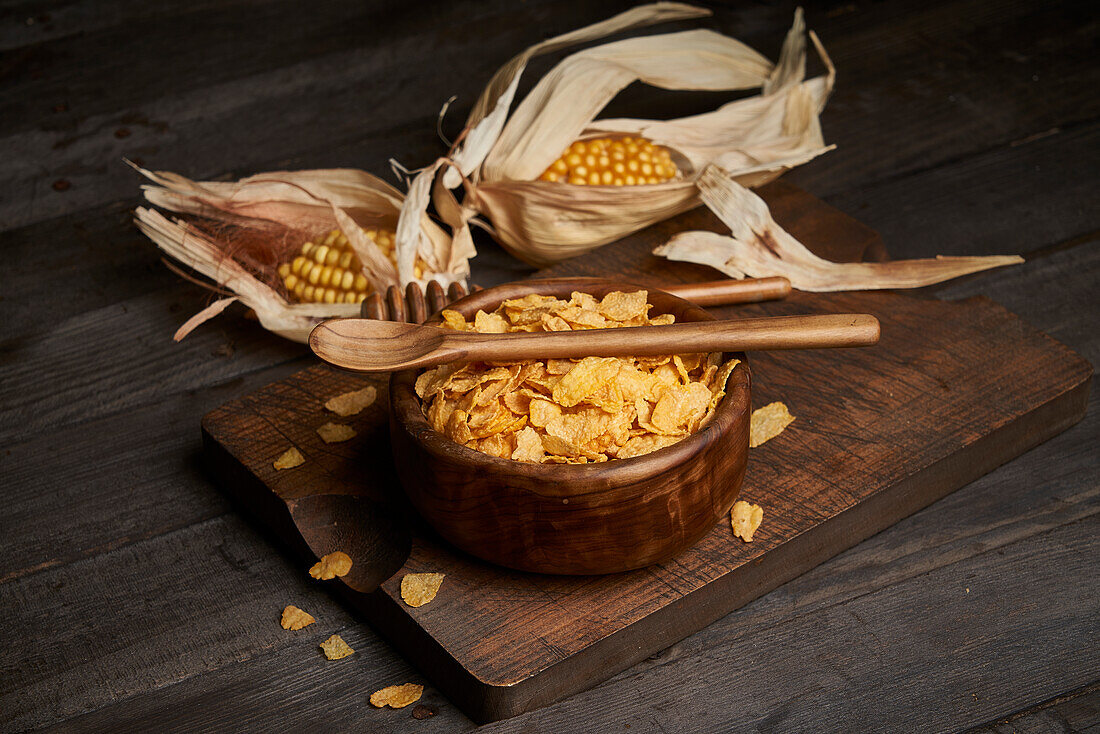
(573, 519)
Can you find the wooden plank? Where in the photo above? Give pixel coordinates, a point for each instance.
(1048, 183)
(94, 485)
(938, 648)
(1078, 711)
(122, 357)
(160, 611)
(926, 84)
(193, 127)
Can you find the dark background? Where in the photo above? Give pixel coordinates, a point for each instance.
(133, 596)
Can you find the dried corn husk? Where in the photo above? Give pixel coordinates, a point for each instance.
(758, 247)
(284, 209)
(502, 155)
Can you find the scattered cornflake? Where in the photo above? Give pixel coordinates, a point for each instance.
(351, 403)
(335, 432)
(398, 697)
(571, 411)
(335, 648)
(768, 422)
(417, 589)
(289, 459)
(745, 519)
(295, 618)
(331, 566)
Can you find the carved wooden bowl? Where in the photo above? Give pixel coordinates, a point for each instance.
(573, 519)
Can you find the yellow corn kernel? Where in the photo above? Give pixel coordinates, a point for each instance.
(327, 270)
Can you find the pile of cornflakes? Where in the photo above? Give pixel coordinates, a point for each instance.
(571, 411)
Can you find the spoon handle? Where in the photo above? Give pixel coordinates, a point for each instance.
(725, 292)
(773, 333)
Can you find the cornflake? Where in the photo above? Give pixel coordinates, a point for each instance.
(397, 697)
(745, 519)
(571, 411)
(295, 618)
(331, 566)
(352, 403)
(768, 422)
(335, 648)
(289, 459)
(417, 589)
(335, 432)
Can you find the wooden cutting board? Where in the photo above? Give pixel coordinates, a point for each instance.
(952, 391)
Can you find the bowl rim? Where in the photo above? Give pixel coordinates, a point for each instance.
(407, 409)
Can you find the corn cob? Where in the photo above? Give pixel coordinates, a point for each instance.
(624, 161)
(328, 271)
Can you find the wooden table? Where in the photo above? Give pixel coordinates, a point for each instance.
(133, 596)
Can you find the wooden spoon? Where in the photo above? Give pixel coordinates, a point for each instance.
(366, 345)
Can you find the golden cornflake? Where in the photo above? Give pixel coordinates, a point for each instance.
(768, 422)
(295, 618)
(330, 566)
(335, 648)
(417, 589)
(745, 519)
(351, 403)
(397, 697)
(571, 411)
(289, 459)
(335, 432)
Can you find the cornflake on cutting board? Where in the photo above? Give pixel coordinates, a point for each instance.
(331, 566)
(397, 697)
(335, 432)
(417, 589)
(295, 618)
(335, 648)
(351, 403)
(289, 459)
(745, 519)
(767, 423)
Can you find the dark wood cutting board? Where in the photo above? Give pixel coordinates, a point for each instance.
(952, 391)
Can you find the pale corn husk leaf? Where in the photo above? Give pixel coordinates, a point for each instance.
(303, 202)
(758, 247)
(570, 96)
(755, 139)
(486, 120)
(306, 201)
(197, 251)
(484, 126)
